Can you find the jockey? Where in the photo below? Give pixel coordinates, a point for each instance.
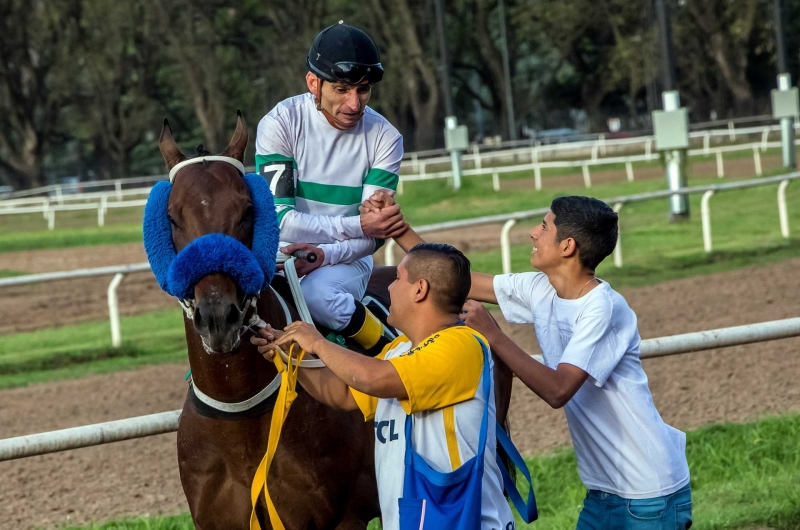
(323, 153)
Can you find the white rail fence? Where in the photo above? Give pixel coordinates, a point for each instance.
(511, 219)
(119, 272)
(107, 200)
(586, 165)
(165, 422)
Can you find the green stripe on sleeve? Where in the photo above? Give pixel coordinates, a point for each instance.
(266, 159)
(282, 214)
(382, 178)
(284, 200)
(329, 193)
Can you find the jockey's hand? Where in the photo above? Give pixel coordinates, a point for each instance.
(377, 201)
(305, 335)
(476, 316)
(384, 224)
(302, 266)
(265, 340)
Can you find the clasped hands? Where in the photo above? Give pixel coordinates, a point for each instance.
(380, 218)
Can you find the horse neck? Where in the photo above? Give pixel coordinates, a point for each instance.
(235, 377)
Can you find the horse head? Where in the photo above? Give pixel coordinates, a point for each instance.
(211, 217)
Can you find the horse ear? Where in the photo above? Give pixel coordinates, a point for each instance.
(169, 149)
(238, 144)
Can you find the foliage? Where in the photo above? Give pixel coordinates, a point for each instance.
(84, 84)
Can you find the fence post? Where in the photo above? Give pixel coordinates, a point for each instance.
(496, 180)
(59, 196)
(757, 160)
(595, 148)
(388, 253)
(706, 142)
(731, 131)
(618, 247)
(764, 138)
(534, 155)
(720, 164)
(400, 186)
(783, 213)
(587, 179)
(118, 188)
(51, 219)
(505, 245)
(113, 310)
(705, 214)
(101, 212)
(648, 146)
(415, 163)
(537, 177)
(602, 141)
(629, 170)
(476, 152)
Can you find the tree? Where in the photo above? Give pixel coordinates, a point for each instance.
(38, 41)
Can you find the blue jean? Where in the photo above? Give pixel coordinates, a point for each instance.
(605, 511)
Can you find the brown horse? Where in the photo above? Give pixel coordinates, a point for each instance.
(322, 476)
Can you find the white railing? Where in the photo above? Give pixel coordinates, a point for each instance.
(48, 209)
(165, 422)
(585, 165)
(511, 219)
(119, 272)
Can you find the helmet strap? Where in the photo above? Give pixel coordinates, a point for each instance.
(331, 120)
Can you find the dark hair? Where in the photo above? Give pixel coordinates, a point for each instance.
(591, 223)
(447, 271)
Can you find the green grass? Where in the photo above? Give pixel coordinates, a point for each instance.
(5, 273)
(743, 476)
(75, 351)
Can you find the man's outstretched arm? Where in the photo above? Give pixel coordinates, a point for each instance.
(555, 387)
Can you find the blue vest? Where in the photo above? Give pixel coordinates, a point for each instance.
(433, 500)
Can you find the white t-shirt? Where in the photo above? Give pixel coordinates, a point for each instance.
(442, 377)
(319, 175)
(621, 443)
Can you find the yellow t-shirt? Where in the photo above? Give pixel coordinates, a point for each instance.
(442, 377)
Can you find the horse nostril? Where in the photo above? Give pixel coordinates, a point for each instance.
(233, 315)
(198, 319)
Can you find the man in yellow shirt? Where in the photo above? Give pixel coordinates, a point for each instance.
(434, 372)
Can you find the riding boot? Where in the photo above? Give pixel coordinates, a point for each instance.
(366, 330)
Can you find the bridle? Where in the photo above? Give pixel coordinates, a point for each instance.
(254, 322)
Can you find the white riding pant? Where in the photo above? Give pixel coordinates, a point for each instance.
(331, 291)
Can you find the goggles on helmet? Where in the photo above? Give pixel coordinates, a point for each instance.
(349, 72)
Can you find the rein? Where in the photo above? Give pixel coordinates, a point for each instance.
(286, 396)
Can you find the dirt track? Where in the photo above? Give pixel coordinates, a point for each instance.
(140, 476)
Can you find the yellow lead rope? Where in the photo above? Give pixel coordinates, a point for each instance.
(286, 396)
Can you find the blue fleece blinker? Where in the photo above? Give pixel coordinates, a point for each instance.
(177, 274)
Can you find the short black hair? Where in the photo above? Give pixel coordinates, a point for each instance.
(591, 223)
(447, 271)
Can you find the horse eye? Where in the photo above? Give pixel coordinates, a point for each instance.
(247, 215)
(172, 221)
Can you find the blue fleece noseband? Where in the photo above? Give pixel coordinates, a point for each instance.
(251, 268)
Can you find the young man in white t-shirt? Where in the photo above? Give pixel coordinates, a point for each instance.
(632, 463)
(434, 372)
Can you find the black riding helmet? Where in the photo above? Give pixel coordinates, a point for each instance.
(343, 53)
